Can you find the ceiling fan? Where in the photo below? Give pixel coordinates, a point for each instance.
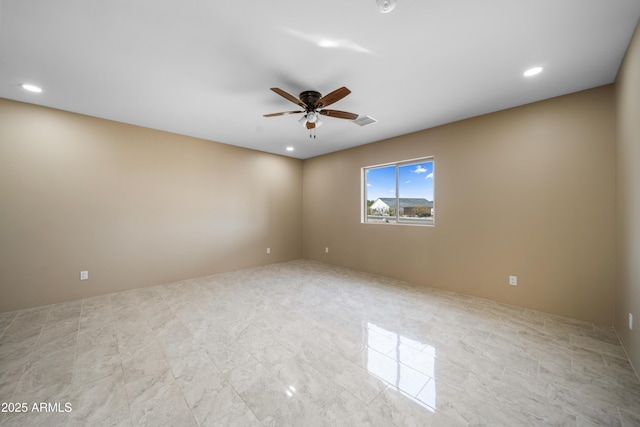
(313, 103)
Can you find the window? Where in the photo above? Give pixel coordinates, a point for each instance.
(399, 193)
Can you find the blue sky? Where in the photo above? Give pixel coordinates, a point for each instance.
(415, 180)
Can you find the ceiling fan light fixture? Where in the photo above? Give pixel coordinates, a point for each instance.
(386, 6)
(312, 117)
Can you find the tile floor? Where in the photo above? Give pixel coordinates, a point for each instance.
(306, 344)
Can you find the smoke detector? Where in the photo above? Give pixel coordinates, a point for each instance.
(386, 6)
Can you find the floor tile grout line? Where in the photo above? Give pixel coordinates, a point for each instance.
(6, 328)
(626, 352)
(75, 354)
(124, 378)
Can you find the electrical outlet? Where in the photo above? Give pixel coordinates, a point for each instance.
(326, 250)
(84, 275)
(630, 321)
(268, 250)
(513, 280)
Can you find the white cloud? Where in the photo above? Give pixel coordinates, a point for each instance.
(419, 169)
(408, 181)
(369, 185)
(429, 176)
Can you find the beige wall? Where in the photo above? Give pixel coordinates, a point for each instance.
(527, 191)
(133, 206)
(628, 199)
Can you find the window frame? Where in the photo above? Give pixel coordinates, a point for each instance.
(396, 219)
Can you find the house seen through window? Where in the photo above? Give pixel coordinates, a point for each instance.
(399, 193)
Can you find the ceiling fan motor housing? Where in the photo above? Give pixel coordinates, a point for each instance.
(310, 97)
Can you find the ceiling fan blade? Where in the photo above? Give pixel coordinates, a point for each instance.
(310, 125)
(332, 97)
(339, 114)
(282, 114)
(289, 97)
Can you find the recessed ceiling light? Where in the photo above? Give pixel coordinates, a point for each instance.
(328, 43)
(289, 148)
(31, 88)
(533, 71)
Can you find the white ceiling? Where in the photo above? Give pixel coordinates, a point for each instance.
(204, 68)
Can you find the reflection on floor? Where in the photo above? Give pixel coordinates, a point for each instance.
(302, 343)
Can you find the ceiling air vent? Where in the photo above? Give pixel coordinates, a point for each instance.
(364, 120)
